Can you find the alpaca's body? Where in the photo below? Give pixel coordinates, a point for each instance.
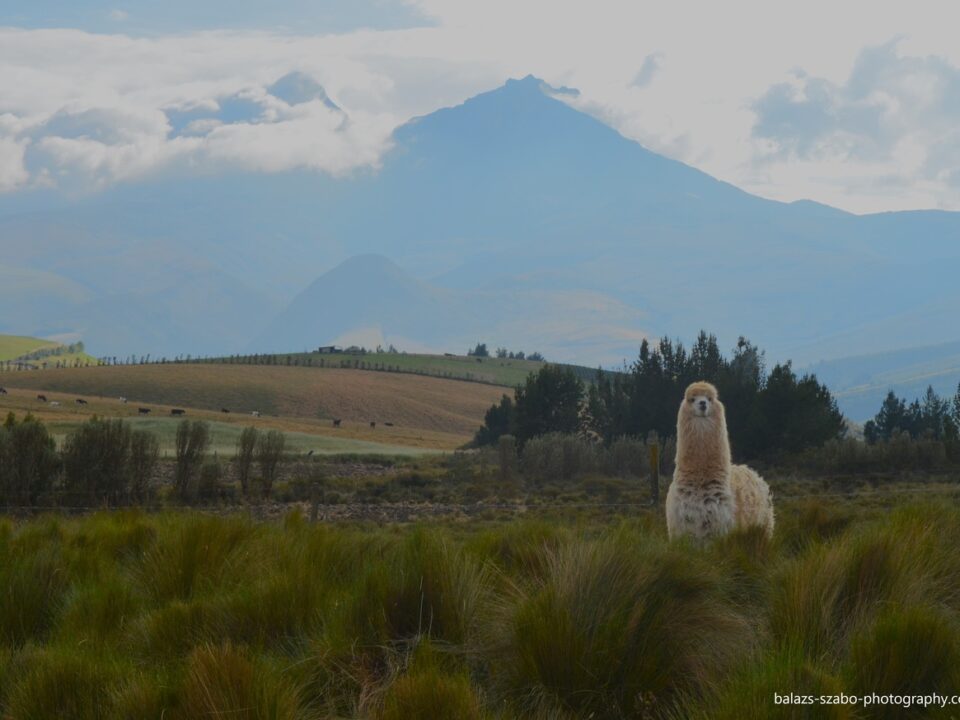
(710, 497)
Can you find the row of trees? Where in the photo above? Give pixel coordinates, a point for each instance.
(480, 350)
(768, 413)
(933, 417)
(105, 461)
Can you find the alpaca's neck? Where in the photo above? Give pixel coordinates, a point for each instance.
(702, 447)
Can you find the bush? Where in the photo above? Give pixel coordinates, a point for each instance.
(555, 456)
(96, 461)
(104, 460)
(193, 438)
(269, 453)
(246, 447)
(28, 461)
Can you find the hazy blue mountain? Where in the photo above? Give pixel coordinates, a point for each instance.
(369, 300)
(862, 382)
(513, 216)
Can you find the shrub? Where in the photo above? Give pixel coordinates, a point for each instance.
(144, 455)
(269, 453)
(193, 438)
(246, 447)
(28, 461)
(555, 456)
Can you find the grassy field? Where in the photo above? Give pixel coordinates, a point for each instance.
(423, 411)
(491, 370)
(508, 373)
(126, 615)
(14, 346)
(303, 434)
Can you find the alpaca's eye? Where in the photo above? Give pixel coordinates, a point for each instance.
(692, 400)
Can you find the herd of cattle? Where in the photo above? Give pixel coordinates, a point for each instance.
(173, 411)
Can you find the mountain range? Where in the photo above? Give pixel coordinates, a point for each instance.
(513, 219)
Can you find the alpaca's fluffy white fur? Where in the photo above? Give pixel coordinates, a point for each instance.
(708, 496)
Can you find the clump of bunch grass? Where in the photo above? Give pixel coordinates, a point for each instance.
(615, 626)
(223, 681)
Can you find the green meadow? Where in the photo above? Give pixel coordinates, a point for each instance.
(180, 615)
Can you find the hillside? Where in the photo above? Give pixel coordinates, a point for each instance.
(861, 382)
(507, 372)
(413, 404)
(18, 346)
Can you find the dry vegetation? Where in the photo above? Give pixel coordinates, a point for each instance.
(424, 412)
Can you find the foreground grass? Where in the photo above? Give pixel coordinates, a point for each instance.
(125, 615)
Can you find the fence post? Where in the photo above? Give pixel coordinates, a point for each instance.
(653, 446)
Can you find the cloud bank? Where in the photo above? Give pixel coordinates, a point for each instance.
(864, 129)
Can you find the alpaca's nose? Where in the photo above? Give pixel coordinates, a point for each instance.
(703, 405)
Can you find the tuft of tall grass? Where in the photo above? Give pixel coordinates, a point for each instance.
(617, 624)
(194, 555)
(431, 694)
(32, 589)
(905, 559)
(421, 587)
(223, 681)
(99, 611)
(750, 692)
(62, 682)
(906, 651)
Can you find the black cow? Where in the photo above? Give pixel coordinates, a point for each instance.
(3, 391)
(80, 401)
(373, 423)
(224, 410)
(178, 411)
(388, 424)
(336, 423)
(42, 398)
(143, 411)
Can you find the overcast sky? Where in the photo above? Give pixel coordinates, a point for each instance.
(855, 104)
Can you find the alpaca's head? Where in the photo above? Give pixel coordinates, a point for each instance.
(700, 402)
(702, 429)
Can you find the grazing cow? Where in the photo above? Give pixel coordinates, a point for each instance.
(310, 453)
(123, 400)
(224, 410)
(54, 403)
(80, 401)
(373, 423)
(336, 423)
(143, 411)
(3, 391)
(256, 413)
(177, 411)
(388, 424)
(42, 398)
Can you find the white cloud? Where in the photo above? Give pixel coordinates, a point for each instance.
(13, 173)
(702, 67)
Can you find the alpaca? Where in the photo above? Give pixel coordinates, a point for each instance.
(709, 497)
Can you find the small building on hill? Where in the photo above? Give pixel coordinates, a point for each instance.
(329, 349)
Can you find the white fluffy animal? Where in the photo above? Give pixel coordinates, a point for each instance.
(709, 497)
